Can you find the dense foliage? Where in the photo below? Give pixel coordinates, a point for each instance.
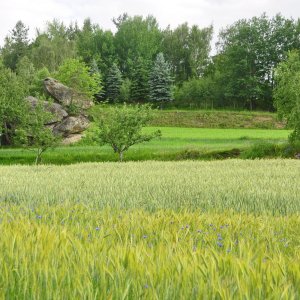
(239, 75)
(287, 93)
(12, 105)
(121, 127)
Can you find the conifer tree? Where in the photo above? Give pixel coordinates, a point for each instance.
(113, 84)
(160, 81)
(140, 82)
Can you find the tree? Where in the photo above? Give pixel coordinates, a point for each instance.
(160, 81)
(136, 37)
(53, 46)
(187, 49)
(37, 88)
(113, 84)
(16, 46)
(197, 93)
(287, 93)
(35, 134)
(140, 81)
(120, 127)
(12, 105)
(94, 44)
(77, 75)
(248, 53)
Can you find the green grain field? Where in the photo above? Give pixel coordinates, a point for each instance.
(151, 230)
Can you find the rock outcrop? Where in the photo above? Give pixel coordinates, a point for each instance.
(58, 112)
(65, 122)
(65, 95)
(71, 125)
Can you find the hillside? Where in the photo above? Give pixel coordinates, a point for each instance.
(217, 119)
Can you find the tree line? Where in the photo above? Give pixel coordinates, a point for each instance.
(240, 75)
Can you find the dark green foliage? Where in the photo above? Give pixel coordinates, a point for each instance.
(187, 49)
(249, 50)
(125, 95)
(139, 90)
(113, 84)
(239, 76)
(160, 81)
(197, 93)
(94, 44)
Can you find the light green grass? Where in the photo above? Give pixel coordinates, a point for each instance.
(170, 146)
(270, 186)
(212, 139)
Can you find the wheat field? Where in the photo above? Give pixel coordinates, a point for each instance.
(151, 230)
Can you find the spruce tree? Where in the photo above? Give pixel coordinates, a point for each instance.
(160, 81)
(113, 84)
(139, 91)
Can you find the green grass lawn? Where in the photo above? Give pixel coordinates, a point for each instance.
(173, 145)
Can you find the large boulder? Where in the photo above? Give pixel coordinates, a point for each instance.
(73, 138)
(65, 95)
(71, 125)
(55, 109)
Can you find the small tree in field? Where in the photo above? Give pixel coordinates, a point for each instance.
(120, 127)
(36, 135)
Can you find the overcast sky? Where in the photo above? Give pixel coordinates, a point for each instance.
(220, 13)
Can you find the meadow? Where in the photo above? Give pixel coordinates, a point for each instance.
(176, 143)
(151, 230)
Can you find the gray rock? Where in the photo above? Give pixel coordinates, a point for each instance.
(73, 138)
(71, 125)
(56, 109)
(65, 95)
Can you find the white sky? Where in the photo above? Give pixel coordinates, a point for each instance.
(220, 13)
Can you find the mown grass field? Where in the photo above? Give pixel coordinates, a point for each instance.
(151, 230)
(175, 144)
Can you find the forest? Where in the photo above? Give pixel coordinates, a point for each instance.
(236, 73)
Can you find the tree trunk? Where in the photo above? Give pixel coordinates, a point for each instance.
(38, 158)
(120, 156)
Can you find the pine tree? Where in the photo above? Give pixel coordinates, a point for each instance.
(160, 81)
(113, 84)
(140, 82)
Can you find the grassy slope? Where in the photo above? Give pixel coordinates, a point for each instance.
(172, 146)
(213, 119)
